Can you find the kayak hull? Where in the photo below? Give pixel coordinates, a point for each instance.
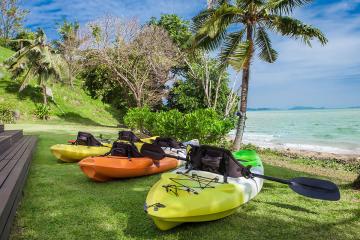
(198, 196)
(169, 223)
(103, 169)
(74, 153)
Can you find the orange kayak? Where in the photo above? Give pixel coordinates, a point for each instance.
(102, 169)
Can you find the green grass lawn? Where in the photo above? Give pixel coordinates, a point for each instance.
(61, 203)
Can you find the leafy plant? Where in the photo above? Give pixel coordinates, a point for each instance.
(178, 29)
(203, 124)
(6, 113)
(42, 111)
(140, 118)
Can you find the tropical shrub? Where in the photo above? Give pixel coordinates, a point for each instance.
(140, 119)
(42, 111)
(6, 113)
(169, 124)
(206, 125)
(203, 124)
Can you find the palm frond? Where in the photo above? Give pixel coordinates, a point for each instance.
(199, 20)
(284, 6)
(240, 56)
(26, 79)
(211, 27)
(244, 4)
(296, 29)
(36, 61)
(263, 42)
(217, 3)
(231, 42)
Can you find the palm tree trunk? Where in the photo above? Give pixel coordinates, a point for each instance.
(244, 93)
(242, 109)
(44, 95)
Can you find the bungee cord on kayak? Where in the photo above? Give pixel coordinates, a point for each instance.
(188, 184)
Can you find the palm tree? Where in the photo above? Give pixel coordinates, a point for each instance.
(68, 46)
(240, 28)
(36, 61)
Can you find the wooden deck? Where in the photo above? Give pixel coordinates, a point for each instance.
(15, 156)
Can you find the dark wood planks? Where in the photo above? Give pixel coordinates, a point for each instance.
(8, 138)
(14, 166)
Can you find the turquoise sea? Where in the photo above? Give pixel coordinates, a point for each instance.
(328, 130)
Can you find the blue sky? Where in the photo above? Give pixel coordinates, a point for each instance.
(319, 76)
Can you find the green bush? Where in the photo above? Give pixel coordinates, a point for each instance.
(140, 119)
(203, 124)
(168, 124)
(42, 111)
(6, 113)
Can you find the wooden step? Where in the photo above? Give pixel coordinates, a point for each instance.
(8, 138)
(14, 167)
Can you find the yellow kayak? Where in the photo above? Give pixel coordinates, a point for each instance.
(198, 196)
(75, 153)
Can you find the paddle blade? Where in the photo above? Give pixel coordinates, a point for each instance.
(152, 151)
(315, 188)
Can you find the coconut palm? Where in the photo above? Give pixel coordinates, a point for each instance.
(240, 28)
(69, 47)
(35, 61)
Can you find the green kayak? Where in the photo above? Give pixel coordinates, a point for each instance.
(248, 158)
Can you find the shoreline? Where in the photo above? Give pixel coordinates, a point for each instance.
(311, 151)
(314, 155)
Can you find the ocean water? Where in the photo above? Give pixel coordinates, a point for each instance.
(330, 130)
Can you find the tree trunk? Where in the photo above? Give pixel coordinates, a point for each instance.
(244, 93)
(138, 101)
(70, 74)
(70, 78)
(45, 98)
(356, 183)
(217, 91)
(242, 109)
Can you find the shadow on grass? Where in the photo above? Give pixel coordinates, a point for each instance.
(77, 118)
(246, 224)
(30, 92)
(290, 207)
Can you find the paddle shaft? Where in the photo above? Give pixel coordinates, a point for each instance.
(251, 174)
(279, 180)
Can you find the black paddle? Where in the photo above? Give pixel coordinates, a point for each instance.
(308, 187)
